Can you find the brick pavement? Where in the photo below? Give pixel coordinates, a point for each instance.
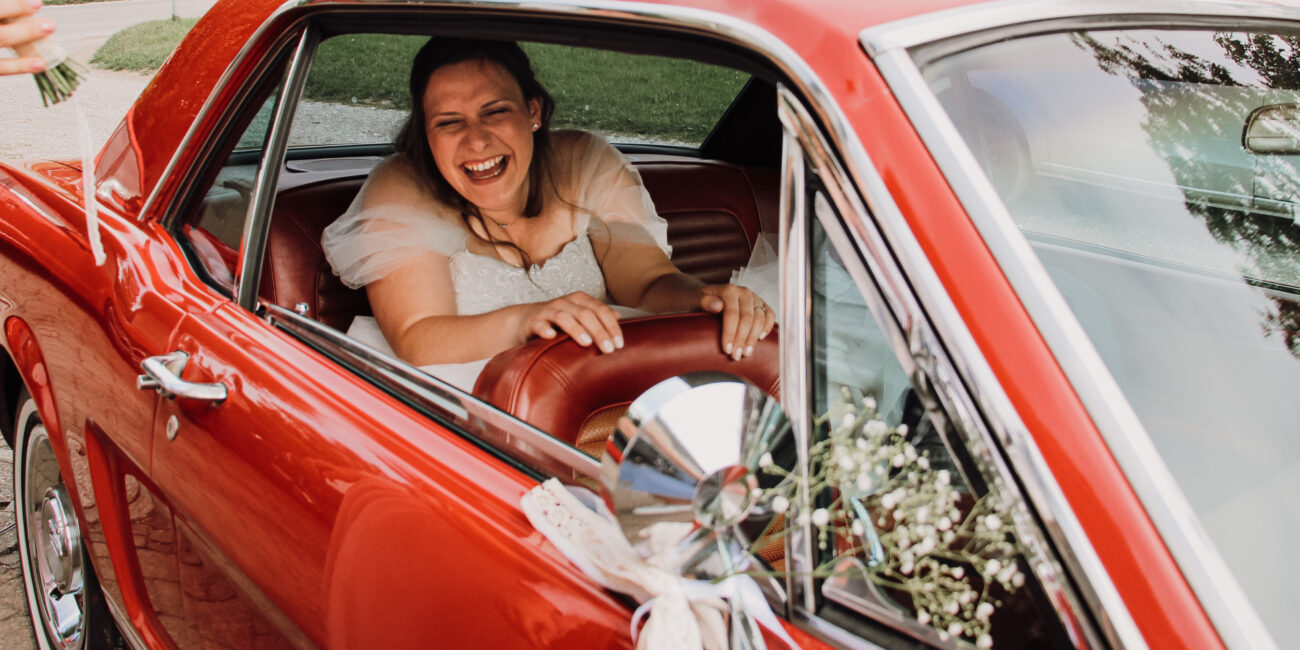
(15, 627)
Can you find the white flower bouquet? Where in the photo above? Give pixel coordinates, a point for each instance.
(919, 536)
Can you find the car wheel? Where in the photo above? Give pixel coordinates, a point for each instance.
(67, 609)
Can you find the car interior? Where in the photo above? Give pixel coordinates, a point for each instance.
(719, 197)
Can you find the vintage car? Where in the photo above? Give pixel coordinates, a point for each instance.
(1053, 242)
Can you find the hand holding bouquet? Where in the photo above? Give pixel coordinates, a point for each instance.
(20, 29)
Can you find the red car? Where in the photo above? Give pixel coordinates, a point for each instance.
(1056, 243)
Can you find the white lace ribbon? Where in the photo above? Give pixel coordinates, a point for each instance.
(679, 613)
(88, 184)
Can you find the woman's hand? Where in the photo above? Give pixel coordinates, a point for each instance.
(19, 26)
(745, 317)
(580, 316)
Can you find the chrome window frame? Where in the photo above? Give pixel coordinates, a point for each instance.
(968, 362)
(868, 259)
(524, 444)
(894, 48)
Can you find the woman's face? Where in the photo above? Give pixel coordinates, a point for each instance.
(481, 135)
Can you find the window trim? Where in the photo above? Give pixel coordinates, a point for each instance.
(870, 261)
(518, 443)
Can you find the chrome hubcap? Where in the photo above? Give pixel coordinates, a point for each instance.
(51, 541)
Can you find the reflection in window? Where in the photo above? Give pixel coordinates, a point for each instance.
(1120, 154)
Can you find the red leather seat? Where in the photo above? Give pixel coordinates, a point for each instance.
(714, 217)
(713, 213)
(577, 393)
(296, 271)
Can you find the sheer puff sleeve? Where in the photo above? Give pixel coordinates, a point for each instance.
(392, 220)
(608, 190)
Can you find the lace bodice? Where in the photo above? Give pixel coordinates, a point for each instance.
(485, 283)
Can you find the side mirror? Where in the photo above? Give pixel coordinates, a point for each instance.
(1273, 129)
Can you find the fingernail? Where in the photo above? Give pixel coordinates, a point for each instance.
(585, 339)
(37, 66)
(749, 350)
(727, 347)
(47, 26)
(618, 342)
(607, 346)
(35, 4)
(762, 336)
(548, 333)
(736, 356)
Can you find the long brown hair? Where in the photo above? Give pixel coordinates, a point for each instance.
(412, 140)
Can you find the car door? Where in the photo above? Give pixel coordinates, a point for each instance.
(308, 507)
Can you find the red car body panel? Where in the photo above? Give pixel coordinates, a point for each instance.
(69, 323)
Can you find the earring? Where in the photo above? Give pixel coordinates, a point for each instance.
(536, 126)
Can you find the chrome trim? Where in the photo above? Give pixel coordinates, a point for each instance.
(248, 278)
(918, 349)
(795, 347)
(919, 30)
(523, 443)
(209, 106)
(829, 632)
(162, 373)
(1220, 594)
(124, 625)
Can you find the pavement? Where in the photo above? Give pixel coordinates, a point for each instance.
(29, 130)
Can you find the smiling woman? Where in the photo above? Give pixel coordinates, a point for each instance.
(485, 229)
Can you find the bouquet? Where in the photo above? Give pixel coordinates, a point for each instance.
(61, 75)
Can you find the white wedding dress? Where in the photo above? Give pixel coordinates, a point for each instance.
(394, 220)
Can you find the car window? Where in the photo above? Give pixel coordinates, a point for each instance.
(357, 92)
(1154, 174)
(913, 529)
(214, 232)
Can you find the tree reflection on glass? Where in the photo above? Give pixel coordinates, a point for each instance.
(1195, 101)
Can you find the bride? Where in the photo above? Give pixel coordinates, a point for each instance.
(486, 228)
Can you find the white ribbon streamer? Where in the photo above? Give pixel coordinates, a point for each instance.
(679, 613)
(88, 185)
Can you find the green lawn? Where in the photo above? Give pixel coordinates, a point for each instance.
(142, 47)
(609, 92)
(654, 98)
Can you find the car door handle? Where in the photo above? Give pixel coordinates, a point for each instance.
(163, 374)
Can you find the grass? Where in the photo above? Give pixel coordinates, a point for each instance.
(143, 47)
(651, 98)
(609, 92)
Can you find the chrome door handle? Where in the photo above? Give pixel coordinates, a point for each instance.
(163, 374)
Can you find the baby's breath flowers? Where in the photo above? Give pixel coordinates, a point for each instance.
(61, 75)
(921, 537)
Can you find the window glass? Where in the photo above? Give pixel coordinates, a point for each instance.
(1154, 173)
(357, 92)
(911, 530)
(215, 233)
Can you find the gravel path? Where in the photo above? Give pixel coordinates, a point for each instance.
(30, 130)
